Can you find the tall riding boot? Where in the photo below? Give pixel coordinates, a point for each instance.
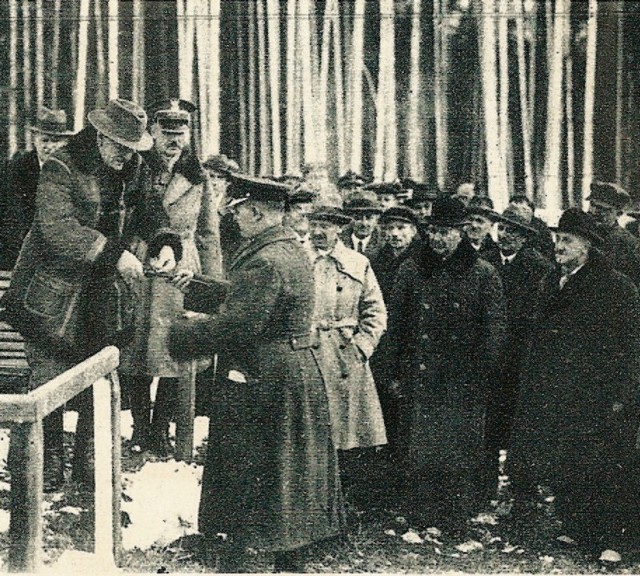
(138, 389)
(162, 414)
(84, 449)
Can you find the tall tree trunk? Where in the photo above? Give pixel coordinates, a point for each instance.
(389, 91)
(440, 91)
(13, 78)
(489, 75)
(415, 162)
(525, 118)
(339, 88)
(213, 77)
(26, 67)
(273, 13)
(55, 53)
(292, 146)
(619, 90)
(589, 93)
(323, 84)
(571, 157)
(263, 90)
(381, 99)
(101, 95)
(81, 71)
(251, 37)
(112, 32)
(304, 46)
(357, 59)
(242, 82)
(40, 83)
(503, 67)
(552, 187)
(202, 59)
(137, 64)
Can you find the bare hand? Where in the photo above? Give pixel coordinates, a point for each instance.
(129, 267)
(181, 279)
(165, 261)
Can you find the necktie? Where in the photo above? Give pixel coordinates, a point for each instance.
(361, 246)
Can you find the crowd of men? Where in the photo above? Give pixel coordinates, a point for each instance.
(359, 338)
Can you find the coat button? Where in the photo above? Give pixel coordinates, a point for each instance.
(339, 288)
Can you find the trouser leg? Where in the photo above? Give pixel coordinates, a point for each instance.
(163, 410)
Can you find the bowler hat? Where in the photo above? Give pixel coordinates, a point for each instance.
(514, 215)
(329, 214)
(610, 194)
(52, 122)
(242, 188)
(221, 164)
(362, 205)
(420, 191)
(481, 205)
(123, 122)
(575, 221)
(399, 214)
(448, 212)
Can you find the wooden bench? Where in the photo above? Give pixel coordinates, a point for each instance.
(14, 369)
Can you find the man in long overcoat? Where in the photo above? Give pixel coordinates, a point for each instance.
(446, 330)
(271, 476)
(577, 417)
(68, 293)
(480, 212)
(362, 234)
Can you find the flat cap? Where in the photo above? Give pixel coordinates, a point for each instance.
(333, 214)
(399, 214)
(242, 188)
(360, 204)
(173, 115)
(610, 194)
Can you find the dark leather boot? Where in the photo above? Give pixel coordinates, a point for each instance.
(163, 409)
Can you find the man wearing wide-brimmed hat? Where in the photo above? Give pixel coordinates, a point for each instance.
(350, 317)
(607, 203)
(18, 203)
(271, 476)
(446, 339)
(481, 221)
(521, 268)
(69, 295)
(421, 198)
(576, 424)
(362, 234)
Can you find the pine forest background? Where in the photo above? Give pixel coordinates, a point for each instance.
(516, 95)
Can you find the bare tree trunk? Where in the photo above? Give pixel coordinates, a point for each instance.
(263, 90)
(441, 89)
(293, 160)
(273, 13)
(323, 84)
(552, 188)
(13, 78)
(252, 87)
(619, 90)
(304, 45)
(26, 67)
(112, 32)
(389, 92)
(525, 117)
(202, 60)
(503, 66)
(81, 72)
(339, 87)
(415, 162)
(213, 78)
(100, 59)
(357, 59)
(39, 55)
(571, 157)
(137, 64)
(489, 75)
(589, 97)
(55, 53)
(242, 92)
(185, 71)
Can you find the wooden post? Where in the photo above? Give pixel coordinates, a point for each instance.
(186, 412)
(13, 77)
(81, 72)
(116, 475)
(25, 529)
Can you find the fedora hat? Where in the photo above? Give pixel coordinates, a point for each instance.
(514, 216)
(330, 214)
(609, 194)
(399, 214)
(124, 122)
(52, 122)
(575, 221)
(448, 212)
(359, 204)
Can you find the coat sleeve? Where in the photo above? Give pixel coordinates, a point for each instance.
(246, 313)
(208, 233)
(372, 315)
(57, 220)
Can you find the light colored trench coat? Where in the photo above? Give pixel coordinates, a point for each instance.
(350, 317)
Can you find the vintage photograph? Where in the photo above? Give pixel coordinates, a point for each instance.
(319, 286)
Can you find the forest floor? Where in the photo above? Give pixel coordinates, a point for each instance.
(160, 499)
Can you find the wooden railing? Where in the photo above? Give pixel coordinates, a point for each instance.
(24, 413)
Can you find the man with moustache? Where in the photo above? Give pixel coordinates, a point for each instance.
(70, 294)
(362, 234)
(350, 317)
(576, 423)
(446, 338)
(521, 270)
(481, 214)
(271, 474)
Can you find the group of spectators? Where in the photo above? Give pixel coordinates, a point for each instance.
(359, 340)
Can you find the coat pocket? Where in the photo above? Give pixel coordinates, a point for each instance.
(53, 303)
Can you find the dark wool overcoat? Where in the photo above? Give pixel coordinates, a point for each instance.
(81, 206)
(446, 330)
(622, 249)
(373, 247)
(271, 476)
(521, 283)
(490, 251)
(19, 205)
(385, 265)
(581, 363)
